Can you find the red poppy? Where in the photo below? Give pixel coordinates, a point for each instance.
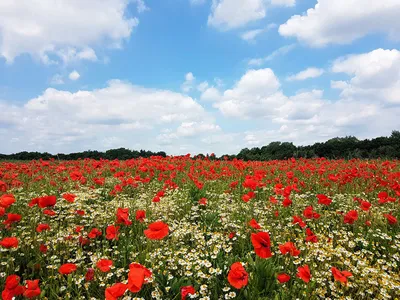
(283, 277)
(323, 199)
(12, 218)
(80, 212)
(203, 201)
(112, 232)
(69, 197)
(12, 288)
(237, 276)
(123, 216)
(2, 211)
(340, 275)
(49, 212)
(104, 265)
(135, 279)
(253, 223)
(89, 276)
(7, 200)
(9, 242)
(46, 201)
(262, 244)
(94, 233)
(350, 217)
(290, 248)
(186, 290)
(298, 220)
(3, 186)
(32, 289)
(156, 199)
(115, 291)
(43, 248)
(42, 227)
(391, 219)
(310, 236)
(140, 215)
(287, 202)
(304, 273)
(365, 205)
(309, 213)
(156, 231)
(67, 268)
(232, 235)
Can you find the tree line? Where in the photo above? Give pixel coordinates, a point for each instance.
(340, 147)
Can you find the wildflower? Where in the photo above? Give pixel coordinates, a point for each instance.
(237, 276)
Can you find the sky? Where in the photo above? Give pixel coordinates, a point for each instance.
(195, 76)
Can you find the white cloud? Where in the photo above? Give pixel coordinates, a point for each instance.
(189, 81)
(57, 79)
(141, 6)
(50, 30)
(74, 75)
(63, 121)
(279, 52)
(343, 21)
(251, 34)
(306, 74)
(374, 76)
(231, 14)
(210, 94)
(202, 86)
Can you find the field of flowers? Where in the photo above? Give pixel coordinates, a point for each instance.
(184, 228)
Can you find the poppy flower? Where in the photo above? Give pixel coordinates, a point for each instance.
(47, 201)
(304, 273)
(80, 212)
(298, 220)
(9, 242)
(310, 236)
(94, 233)
(340, 275)
(2, 211)
(42, 227)
(135, 279)
(262, 244)
(283, 277)
(350, 217)
(12, 218)
(123, 216)
(324, 200)
(232, 235)
(69, 197)
(12, 288)
(253, 223)
(286, 202)
(290, 248)
(140, 215)
(3, 186)
(391, 219)
(115, 291)
(309, 213)
(67, 268)
(112, 232)
(32, 289)
(49, 212)
(365, 205)
(203, 201)
(89, 276)
(104, 265)
(186, 290)
(157, 231)
(237, 276)
(7, 200)
(43, 248)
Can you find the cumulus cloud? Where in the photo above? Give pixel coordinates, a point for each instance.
(74, 75)
(66, 30)
(306, 74)
(343, 21)
(187, 86)
(231, 14)
(374, 76)
(59, 120)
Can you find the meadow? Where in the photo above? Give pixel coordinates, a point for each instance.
(185, 228)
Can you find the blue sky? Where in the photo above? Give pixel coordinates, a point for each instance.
(195, 75)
